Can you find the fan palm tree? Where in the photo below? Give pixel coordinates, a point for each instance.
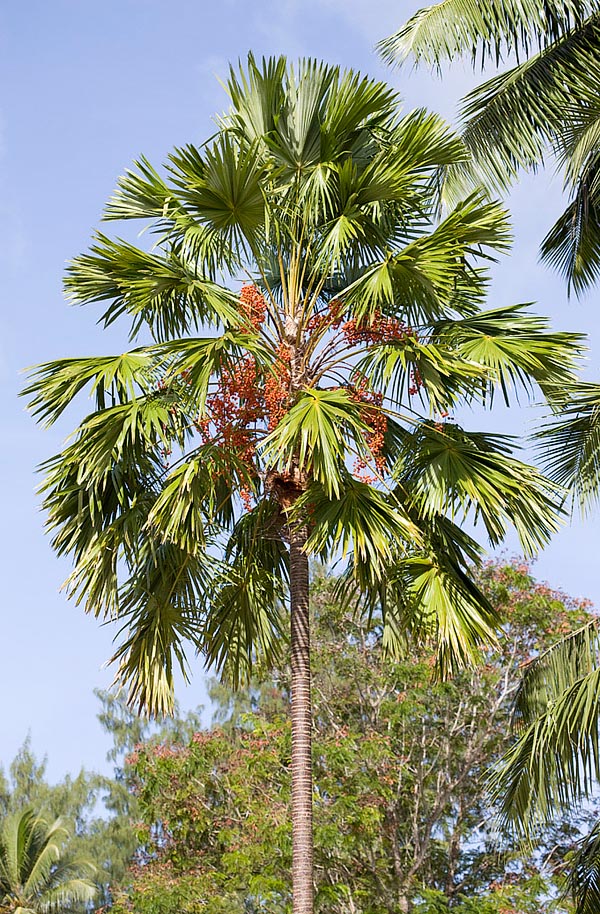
(548, 102)
(36, 874)
(341, 324)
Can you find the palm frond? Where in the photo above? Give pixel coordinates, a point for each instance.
(443, 375)
(512, 118)
(556, 757)
(448, 604)
(517, 347)
(426, 279)
(446, 469)
(114, 380)
(162, 290)
(160, 608)
(569, 444)
(245, 619)
(572, 246)
(199, 494)
(311, 433)
(359, 520)
(456, 28)
(583, 878)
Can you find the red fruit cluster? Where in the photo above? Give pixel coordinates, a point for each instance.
(379, 329)
(373, 416)
(240, 403)
(277, 387)
(332, 317)
(246, 496)
(234, 408)
(416, 382)
(253, 306)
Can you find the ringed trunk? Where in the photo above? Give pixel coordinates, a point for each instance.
(302, 828)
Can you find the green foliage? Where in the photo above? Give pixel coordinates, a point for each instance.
(569, 444)
(401, 811)
(547, 102)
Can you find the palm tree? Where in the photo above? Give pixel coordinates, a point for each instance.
(555, 761)
(36, 874)
(548, 103)
(312, 417)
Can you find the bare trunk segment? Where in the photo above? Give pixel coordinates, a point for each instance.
(302, 828)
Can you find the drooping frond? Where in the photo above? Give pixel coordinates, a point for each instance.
(572, 246)
(456, 28)
(245, 620)
(448, 602)
(160, 610)
(569, 444)
(556, 757)
(358, 520)
(513, 118)
(447, 469)
(583, 877)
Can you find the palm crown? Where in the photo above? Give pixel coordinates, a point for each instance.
(321, 395)
(343, 323)
(37, 876)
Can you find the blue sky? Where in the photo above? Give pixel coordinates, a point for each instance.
(86, 87)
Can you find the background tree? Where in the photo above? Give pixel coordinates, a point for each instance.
(402, 817)
(98, 810)
(37, 874)
(212, 467)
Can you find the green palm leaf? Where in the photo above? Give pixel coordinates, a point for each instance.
(516, 347)
(37, 874)
(448, 469)
(556, 758)
(454, 28)
(584, 874)
(163, 291)
(358, 520)
(160, 610)
(310, 434)
(570, 443)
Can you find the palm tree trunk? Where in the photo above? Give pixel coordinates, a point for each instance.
(302, 832)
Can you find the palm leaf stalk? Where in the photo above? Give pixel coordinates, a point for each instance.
(314, 326)
(545, 105)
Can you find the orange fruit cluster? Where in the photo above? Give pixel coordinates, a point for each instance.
(234, 407)
(379, 329)
(416, 382)
(277, 388)
(376, 420)
(253, 306)
(332, 317)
